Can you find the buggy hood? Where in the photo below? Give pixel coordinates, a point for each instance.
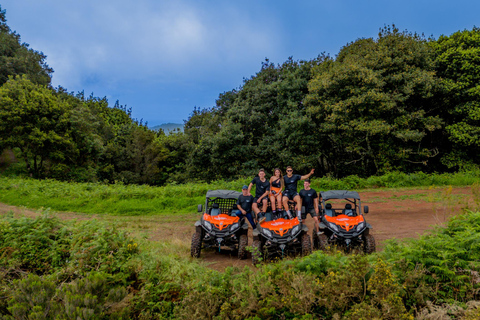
(224, 194)
(339, 194)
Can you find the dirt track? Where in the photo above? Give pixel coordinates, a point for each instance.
(393, 214)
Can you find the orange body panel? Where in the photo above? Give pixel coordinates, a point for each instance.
(345, 222)
(221, 221)
(280, 226)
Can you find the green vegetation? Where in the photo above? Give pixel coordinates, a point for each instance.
(395, 103)
(121, 199)
(54, 269)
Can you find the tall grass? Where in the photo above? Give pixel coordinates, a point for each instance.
(120, 199)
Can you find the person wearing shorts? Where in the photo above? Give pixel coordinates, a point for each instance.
(310, 201)
(276, 187)
(290, 182)
(262, 189)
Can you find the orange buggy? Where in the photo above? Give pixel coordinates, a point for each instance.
(343, 223)
(217, 228)
(280, 237)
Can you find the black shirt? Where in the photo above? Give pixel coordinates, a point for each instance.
(277, 183)
(308, 196)
(245, 202)
(291, 183)
(260, 187)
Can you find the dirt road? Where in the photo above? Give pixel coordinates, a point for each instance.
(393, 214)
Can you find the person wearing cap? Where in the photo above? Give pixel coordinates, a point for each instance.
(290, 181)
(262, 189)
(310, 201)
(244, 205)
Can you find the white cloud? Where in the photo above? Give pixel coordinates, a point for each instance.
(121, 40)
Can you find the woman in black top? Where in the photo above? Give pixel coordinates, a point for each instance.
(276, 187)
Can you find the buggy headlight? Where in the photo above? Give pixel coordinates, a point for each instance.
(333, 226)
(207, 225)
(267, 232)
(295, 230)
(360, 226)
(234, 226)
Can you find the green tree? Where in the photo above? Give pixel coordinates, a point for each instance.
(36, 121)
(458, 64)
(374, 105)
(263, 124)
(17, 59)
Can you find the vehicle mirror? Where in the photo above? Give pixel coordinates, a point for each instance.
(365, 209)
(200, 208)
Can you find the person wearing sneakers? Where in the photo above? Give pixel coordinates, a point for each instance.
(290, 193)
(262, 189)
(310, 201)
(244, 205)
(276, 188)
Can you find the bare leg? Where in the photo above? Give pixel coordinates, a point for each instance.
(298, 202)
(316, 223)
(285, 203)
(272, 201)
(264, 204)
(279, 201)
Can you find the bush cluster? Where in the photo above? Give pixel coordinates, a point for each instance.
(65, 270)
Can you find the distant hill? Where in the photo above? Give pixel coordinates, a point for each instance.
(167, 127)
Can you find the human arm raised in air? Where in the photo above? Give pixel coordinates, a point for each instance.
(308, 175)
(250, 188)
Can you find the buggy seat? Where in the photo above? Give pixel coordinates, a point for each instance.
(329, 211)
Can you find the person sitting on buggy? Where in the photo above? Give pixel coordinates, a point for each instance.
(244, 206)
(290, 193)
(276, 187)
(262, 189)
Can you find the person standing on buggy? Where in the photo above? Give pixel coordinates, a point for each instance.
(244, 205)
(276, 188)
(262, 189)
(310, 201)
(290, 193)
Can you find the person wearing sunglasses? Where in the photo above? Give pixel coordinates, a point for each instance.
(290, 193)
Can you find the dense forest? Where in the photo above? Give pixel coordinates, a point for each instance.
(400, 102)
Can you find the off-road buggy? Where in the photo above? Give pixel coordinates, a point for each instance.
(343, 223)
(279, 237)
(217, 228)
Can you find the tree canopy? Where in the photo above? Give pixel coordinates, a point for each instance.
(397, 102)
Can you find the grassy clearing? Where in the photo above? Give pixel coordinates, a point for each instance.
(135, 200)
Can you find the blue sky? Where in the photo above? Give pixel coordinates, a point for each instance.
(163, 58)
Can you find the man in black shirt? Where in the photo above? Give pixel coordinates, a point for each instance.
(244, 205)
(310, 201)
(291, 193)
(262, 188)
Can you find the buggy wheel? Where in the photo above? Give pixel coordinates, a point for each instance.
(322, 242)
(257, 252)
(306, 245)
(242, 247)
(369, 244)
(196, 245)
(315, 240)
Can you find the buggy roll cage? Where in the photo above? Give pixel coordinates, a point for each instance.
(344, 195)
(225, 199)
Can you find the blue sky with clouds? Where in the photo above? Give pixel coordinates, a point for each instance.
(163, 58)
